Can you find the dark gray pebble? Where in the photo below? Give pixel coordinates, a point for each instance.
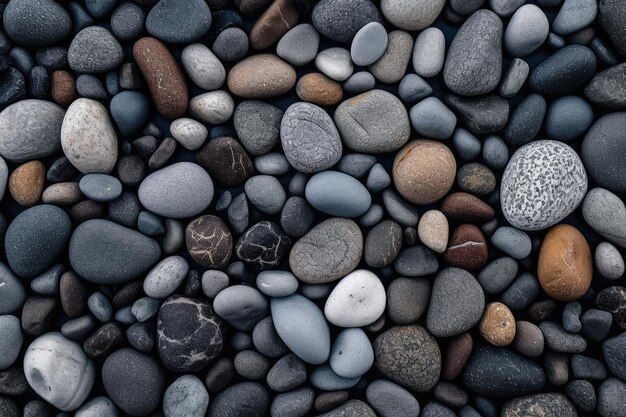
(246, 399)
(526, 120)
(35, 23)
(564, 71)
(480, 115)
(340, 20)
(179, 21)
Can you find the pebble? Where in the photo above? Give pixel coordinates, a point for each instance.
(130, 111)
(568, 118)
(498, 324)
(359, 82)
(287, 373)
(11, 340)
(525, 174)
(177, 191)
(547, 404)
(88, 138)
(127, 21)
(257, 125)
(347, 197)
(97, 407)
(605, 88)
(416, 261)
(58, 370)
(411, 15)
(226, 161)
(231, 44)
(299, 45)
(335, 62)
(352, 354)
(528, 340)
(296, 217)
(186, 396)
(392, 65)
(220, 374)
(12, 291)
(263, 245)
(277, 283)
(128, 368)
(602, 149)
(242, 399)
(100, 187)
(309, 138)
(129, 253)
(609, 262)
(467, 145)
(574, 15)
(514, 78)
(325, 379)
(165, 277)
(357, 300)
(272, 77)
(277, 19)
(273, 163)
(413, 88)
(526, 120)
(596, 324)
(605, 213)
(156, 63)
(94, 50)
(340, 20)
(189, 133)
(311, 343)
(429, 52)
(527, 31)
(432, 119)
(241, 306)
(447, 319)
(409, 356)
(407, 299)
(383, 243)
(265, 193)
(391, 400)
(559, 340)
(293, 404)
(369, 44)
(177, 21)
(373, 122)
(318, 89)
(30, 129)
(479, 73)
(266, 340)
(467, 248)
(565, 267)
(512, 241)
(498, 275)
(26, 183)
(36, 23)
(329, 251)
(563, 72)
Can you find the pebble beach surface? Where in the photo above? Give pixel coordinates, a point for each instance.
(297, 208)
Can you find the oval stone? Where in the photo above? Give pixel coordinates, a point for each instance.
(94, 50)
(177, 191)
(209, 241)
(36, 22)
(352, 354)
(358, 300)
(30, 129)
(563, 72)
(179, 21)
(337, 194)
(544, 405)
(340, 20)
(542, 184)
(103, 252)
(302, 327)
(59, 371)
(604, 151)
(329, 251)
(309, 137)
(261, 76)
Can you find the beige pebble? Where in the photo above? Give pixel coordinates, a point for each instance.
(498, 324)
(433, 230)
(62, 194)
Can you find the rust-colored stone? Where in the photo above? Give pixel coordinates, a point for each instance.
(281, 16)
(63, 88)
(261, 76)
(27, 182)
(467, 248)
(498, 325)
(318, 89)
(466, 208)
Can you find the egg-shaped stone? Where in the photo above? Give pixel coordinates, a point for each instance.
(337, 194)
(357, 300)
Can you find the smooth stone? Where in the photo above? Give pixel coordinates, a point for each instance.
(203, 67)
(429, 52)
(563, 72)
(329, 251)
(596, 325)
(94, 50)
(474, 60)
(606, 88)
(509, 374)
(302, 327)
(277, 283)
(399, 210)
(213, 282)
(526, 120)
(325, 379)
(508, 7)
(127, 21)
(293, 404)
(514, 78)
(498, 324)
(165, 277)
(512, 241)
(245, 399)
(527, 31)
(30, 129)
(574, 15)
(481, 115)
(559, 340)
(58, 370)
(190, 133)
(100, 187)
(432, 119)
(612, 20)
(318, 89)
(178, 21)
(530, 204)
(351, 408)
(615, 356)
(359, 82)
(416, 261)
(446, 318)
(265, 193)
(582, 394)
(126, 368)
(337, 194)
(383, 243)
(544, 404)
(568, 118)
(11, 340)
(498, 275)
(528, 340)
(391, 400)
(97, 407)
(273, 163)
(299, 45)
(36, 23)
(409, 356)
(257, 125)
(373, 122)
(393, 63)
(88, 138)
(368, 44)
(296, 217)
(12, 291)
(272, 77)
(309, 138)
(263, 246)
(608, 261)
(35, 239)
(129, 253)
(378, 179)
(287, 373)
(130, 111)
(407, 299)
(100, 307)
(466, 144)
(411, 15)
(239, 213)
(266, 340)
(357, 300)
(340, 20)
(241, 306)
(278, 18)
(145, 308)
(352, 354)
(356, 164)
(335, 63)
(231, 44)
(226, 161)
(413, 88)
(605, 213)
(13, 86)
(180, 190)
(602, 149)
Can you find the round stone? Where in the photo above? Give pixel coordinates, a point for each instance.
(277, 283)
(546, 404)
(542, 184)
(383, 243)
(337, 194)
(179, 21)
(352, 354)
(309, 138)
(12, 292)
(565, 267)
(411, 15)
(261, 76)
(26, 183)
(34, 23)
(226, 161)
(368, 44)
(265, 193)
(391, 400)
(568, 118)
(245, 399)
(409, 356)
(186, 396)
(165, 277)
(100, 187)
(299, 45)
(263, 245)
(429, 52)
(335, 63)
(602, 150)
(258, 125)
(424, 171)
(94, 50)
(609, 261)
(358, 300)
(563, 72)
(527, 30)
(433, 230)
(209, 241)
(58, 370)
(189, 133)
(203, 67)
(231, 44)
(498, 324)
(127, 21)
(10, 341)
(189, 336)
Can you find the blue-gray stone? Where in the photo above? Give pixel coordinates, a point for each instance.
(10, 340)
(130, 111)
(273, 163)
(495, 152)
(150, 224)
(466, 145)
(97, 407)
(35, 23)
(527, 31)
(36, 238)
(48, 282)
(302, 327)
(611, 398)
(614, 351)
(497, 275)
(512, 241)
(112, 83)
(91, 87)
(416, 261)
(325, 379)
(80, 17)
(340, 20)
(368, 44)
(265, 193)
(249, 399)
(432, 119)
(127, 21)
(231, 44)
(337, 194)
(100, 187)
(526, 120)
(99, 8)
(559, 340)
(399, 209)
(356, 164)
(22, 60)
(378, 179)
(568, 118)
(241, 306)
(391, 400)
(39, 83)
(604, 150)
(521, 293)
(145, 308)
(12, 292)
(413, 88)
(295, 403)
(179, 21)
(563, 72)
(187, 397)
(267, 341)
(574, 15)
(100, 306)
(596, 325)
(125, 316)
(571, 317)
(94, 50)
(299, 46)
(104, 252)
(351, 355)
(276, 283)
(359, 82)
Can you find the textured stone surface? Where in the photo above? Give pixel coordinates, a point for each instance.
(540, 405)
(209, 241)
(263, 245)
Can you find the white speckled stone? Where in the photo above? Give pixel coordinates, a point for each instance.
(542, 184)
(357, 300)
(59, 371)
(215, 107)
(203, 67)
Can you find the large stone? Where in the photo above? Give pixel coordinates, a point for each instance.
(94, 50)
(604, 150)
(340, 20)
(179, 21)
(613, 20)
(34, 23)
(540, 405)
(261, 76)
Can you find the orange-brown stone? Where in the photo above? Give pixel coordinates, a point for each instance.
(318, 89)
(63, 88)
(464, 207)
(281, 16)
(27, 182)
(498, 325)
(261, 76)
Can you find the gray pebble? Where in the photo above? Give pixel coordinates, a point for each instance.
(176, 21)
(100, 306)
(337, 194)
(584, 367)
(36, 23)
(609, 262)
(372, 216)
(186, 396)
(497, 275)
(100, 187)
(356, 165)
(273, 163)
(429, 52)
(297, 217)
(505, 7)
(399, 209)
(299, 45)
(512, 241)
(257, 125)
(293, 404)
(596, 325)
(12, 291)
(145, 308)
(165, 277)
(606, 88)
(571, 317)
(359, 82)
(527, 31)
(369, 44)
(603, 150)
(265, 338)
(94, 50)
(416, 261)
(340, 20)
(10, 340)
(378, 179)
(325, 379)
(352, 354)
(568, 118)
(407, 299)
(241, 306)
(467, 146)
(495, 152)
(412, 15)
(413, 88)
(97, 407)
(231, 44)
(265, 193)
(297, 184)
(565, 71)
(526, 120)
(213, 282)
(574, 15)
(582, 394)
(335, 63)
(606, 214)
(611, 398)
(127, 21)
(239, 214)
(251, 365)
(559, 340)
(48, 282)
(514, 78)
(481, 115)
(287, 373)
(521, 293)
(432, 119)
(391, 400)
(150, 224)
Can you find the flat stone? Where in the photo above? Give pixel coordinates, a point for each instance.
(226, 161)
(352, 354)
(278, 18)
(245, 399)
(335, 62)
(568, 118)
(574, 15)
(357, 300)
(606, 213)
(526, 120)
(602, 148)
(272, 77)
(299, 45)
(318, 89)
(606, 88)
(12, 291)
(257, 125)
(481, 115)
(368, 44)
(241, 306)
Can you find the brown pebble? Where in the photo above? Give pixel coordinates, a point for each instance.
(86, 210)
(164, 77)
(467, 248)
(226, 161)
(209, 242)
(476, 179)
(62, 194)
(466, 208)
(27, 182)
(318, 89)
(529, 339)
(457, 354)
(329, 400)
(73, 294)
(424, 171)
(281, 16)
(391, 67)
(564, 267)
(63, 88)
(261, 76)
(498, 324)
